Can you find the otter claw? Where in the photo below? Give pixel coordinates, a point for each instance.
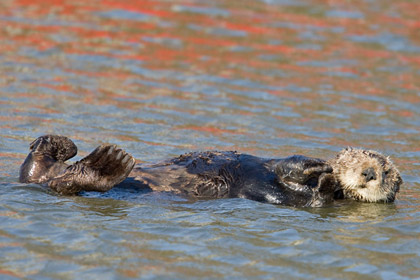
(119, 155)
(125, 159)
(111, 149)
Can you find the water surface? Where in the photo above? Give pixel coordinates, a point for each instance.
(160, 78)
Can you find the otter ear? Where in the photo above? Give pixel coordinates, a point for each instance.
(399, 183)
(344, 151)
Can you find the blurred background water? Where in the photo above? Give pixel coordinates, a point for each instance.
(271, 78)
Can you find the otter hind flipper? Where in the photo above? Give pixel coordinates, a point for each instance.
(102, 169)
(58, 147)
(46, 158)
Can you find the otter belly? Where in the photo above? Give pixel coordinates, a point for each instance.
(199, 174)
(223, 175)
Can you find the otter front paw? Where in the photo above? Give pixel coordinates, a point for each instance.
(102, 169)
(57, 147)
(302, 170)
(324, 191)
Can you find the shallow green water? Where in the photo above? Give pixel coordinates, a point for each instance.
(160, 78)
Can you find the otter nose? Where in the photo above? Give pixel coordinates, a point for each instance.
(369, 174)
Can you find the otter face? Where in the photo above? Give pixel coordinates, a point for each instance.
(366, 175)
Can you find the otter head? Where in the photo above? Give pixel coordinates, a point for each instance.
(365, 175)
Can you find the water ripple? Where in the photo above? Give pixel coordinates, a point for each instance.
(270, 78)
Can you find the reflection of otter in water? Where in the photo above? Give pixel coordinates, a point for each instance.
(295, 181)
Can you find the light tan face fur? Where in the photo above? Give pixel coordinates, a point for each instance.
(366, 175)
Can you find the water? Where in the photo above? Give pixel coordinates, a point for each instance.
(160, 78)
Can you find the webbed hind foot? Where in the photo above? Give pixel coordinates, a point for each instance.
(58, 147)
(102, 169)
(46, 158)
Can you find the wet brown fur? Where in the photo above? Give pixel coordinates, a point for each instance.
(296, 181)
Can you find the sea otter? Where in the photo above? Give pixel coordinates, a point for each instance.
(293, 181)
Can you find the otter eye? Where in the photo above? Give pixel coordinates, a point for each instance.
(386, 172)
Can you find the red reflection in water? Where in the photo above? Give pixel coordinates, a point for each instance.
(248, 42)
(209, 129)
